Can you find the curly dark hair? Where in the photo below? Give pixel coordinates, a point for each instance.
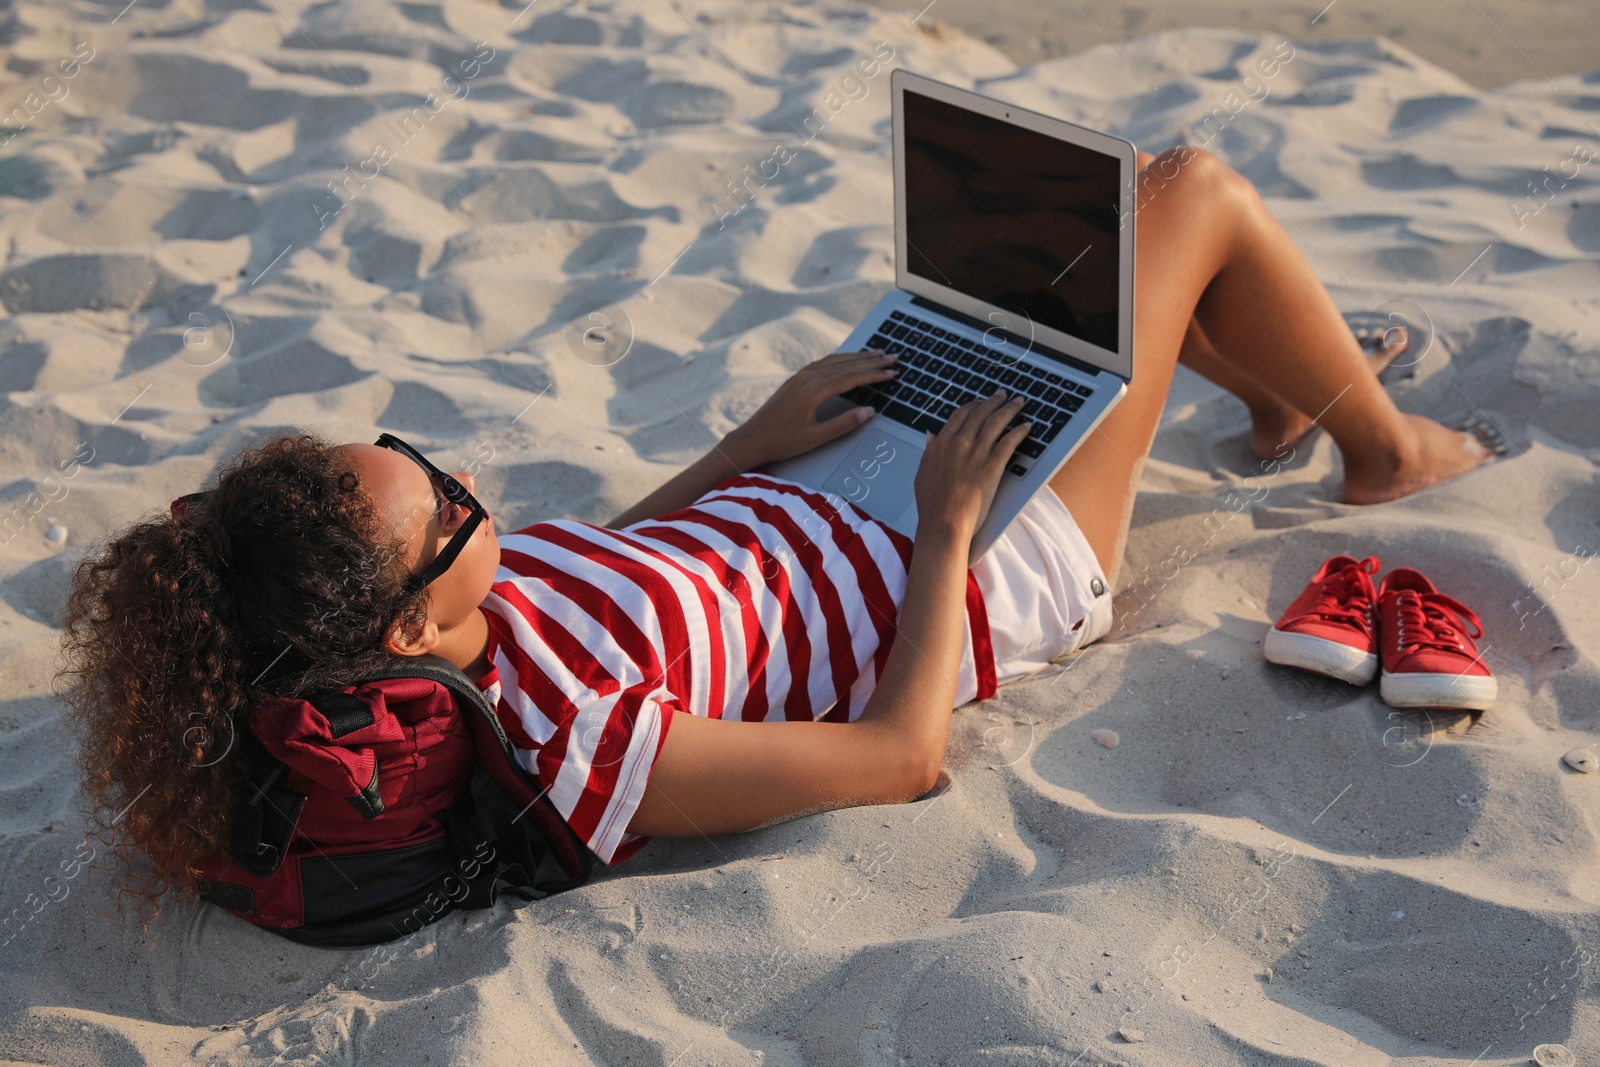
(282, 582)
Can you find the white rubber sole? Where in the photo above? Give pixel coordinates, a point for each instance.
(1468, 692)
(1320, 656)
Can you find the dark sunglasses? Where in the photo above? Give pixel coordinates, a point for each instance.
(455, 493)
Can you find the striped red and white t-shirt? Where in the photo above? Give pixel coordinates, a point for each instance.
(764, 600)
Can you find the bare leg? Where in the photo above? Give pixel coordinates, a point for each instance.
(1273, 421)
(1209, 250)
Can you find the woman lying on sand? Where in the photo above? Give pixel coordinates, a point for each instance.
(817, 658)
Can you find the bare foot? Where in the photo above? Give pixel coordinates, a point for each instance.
(1442, 453)
(1274, 428)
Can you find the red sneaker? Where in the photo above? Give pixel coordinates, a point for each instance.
(1429, 660)
(1330, 628)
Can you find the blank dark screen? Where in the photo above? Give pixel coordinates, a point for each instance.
(1000, 213)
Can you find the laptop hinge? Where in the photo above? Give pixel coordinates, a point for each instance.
(1021, 342)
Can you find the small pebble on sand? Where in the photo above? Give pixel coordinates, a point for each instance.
(1106, 738)
(1582, 760)
(1131, 1036)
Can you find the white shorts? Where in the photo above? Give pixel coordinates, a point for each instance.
(1043, 589)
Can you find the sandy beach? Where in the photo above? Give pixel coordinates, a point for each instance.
(230, 220)
(1489, 43)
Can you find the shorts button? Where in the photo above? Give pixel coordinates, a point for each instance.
(1098, 587)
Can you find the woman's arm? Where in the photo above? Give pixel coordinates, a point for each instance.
(786, 425)
(700, 477)
(719, 776)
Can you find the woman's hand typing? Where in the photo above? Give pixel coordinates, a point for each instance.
(786, 425)
(961, 469)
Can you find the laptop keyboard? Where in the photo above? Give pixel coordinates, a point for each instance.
(938, 371)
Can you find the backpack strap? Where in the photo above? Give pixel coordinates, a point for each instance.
(505, 772)
(268, 810)
(492, 848)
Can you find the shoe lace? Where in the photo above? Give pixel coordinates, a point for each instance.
(1434, 620)
(1344, 596)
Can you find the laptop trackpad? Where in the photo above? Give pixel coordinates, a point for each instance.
(877, 475)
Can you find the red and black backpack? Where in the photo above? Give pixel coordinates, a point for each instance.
(375, 810)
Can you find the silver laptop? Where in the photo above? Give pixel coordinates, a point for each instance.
(1014, 270)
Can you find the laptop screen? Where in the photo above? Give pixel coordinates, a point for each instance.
(1013, 217)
